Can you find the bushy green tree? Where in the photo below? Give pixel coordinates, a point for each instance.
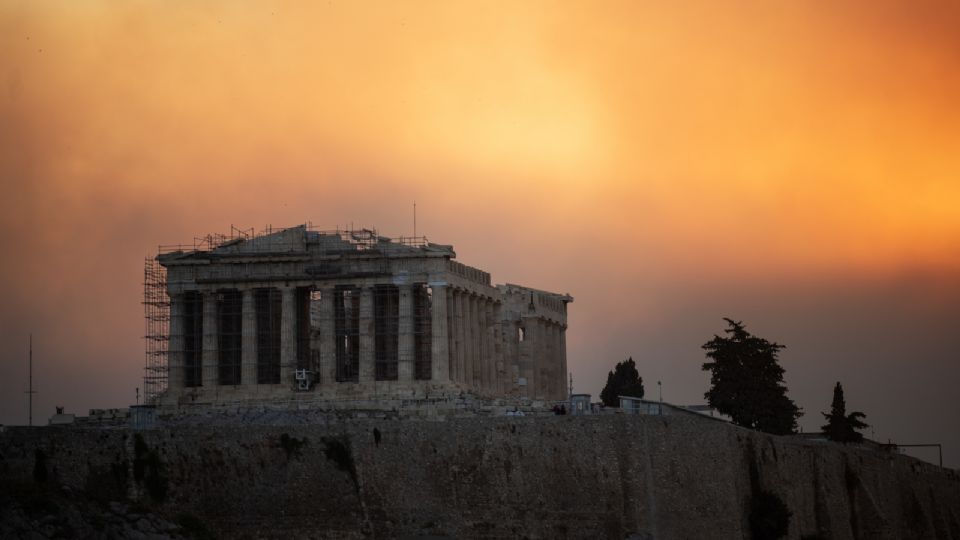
(747, 382)
(624, 380)
(842, 427)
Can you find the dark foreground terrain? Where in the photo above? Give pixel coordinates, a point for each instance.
(615, 476)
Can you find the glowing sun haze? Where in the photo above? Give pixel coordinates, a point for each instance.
(795, 165)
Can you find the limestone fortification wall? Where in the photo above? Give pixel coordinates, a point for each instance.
(615, 476)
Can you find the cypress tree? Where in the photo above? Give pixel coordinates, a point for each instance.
(842, 427)
(624, 380)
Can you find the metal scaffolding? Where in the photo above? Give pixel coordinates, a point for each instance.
(342, 239)
(267, 306)
(156, 310)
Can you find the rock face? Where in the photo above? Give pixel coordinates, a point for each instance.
(615, 476)
(53, 515)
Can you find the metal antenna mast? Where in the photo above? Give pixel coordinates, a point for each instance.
(414, 219)
(30, 392)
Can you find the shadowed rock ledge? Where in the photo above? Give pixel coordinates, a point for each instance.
(615, 476)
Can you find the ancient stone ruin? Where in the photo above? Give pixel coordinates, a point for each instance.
(343, 315)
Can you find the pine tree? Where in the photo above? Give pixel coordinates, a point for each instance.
(624, 380)
(747, 382)
(842, 427)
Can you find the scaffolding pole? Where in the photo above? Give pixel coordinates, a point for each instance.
(156, 310)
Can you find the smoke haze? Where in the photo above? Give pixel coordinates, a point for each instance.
(668, 164)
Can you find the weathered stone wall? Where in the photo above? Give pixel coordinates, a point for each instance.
(505, 477)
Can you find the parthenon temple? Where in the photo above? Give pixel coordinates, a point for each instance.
(353, 315)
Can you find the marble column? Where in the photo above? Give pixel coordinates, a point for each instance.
(549, 367)
(328, 343)
(288, 335)
(548, 371)
(529, 352)
(484, 318)
(461, 359)
(563, 358)
(464, 336)
(540, 350)
(439, 342)
(558, 363)
(367, 341)
(490, 358)
(561, 376)
(478, 329)
(405, 339)
(248, 339)
(471, 327)
(545, 367)
(452, 331)
(479, 366)
(175, 372)
(210, 346)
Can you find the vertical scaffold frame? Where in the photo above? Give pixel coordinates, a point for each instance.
(156, 310)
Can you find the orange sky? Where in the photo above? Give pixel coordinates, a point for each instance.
(669, 163)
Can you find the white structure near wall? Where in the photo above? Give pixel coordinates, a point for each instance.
(632, 405)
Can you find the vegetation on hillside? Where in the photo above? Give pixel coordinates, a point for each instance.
(624, 380)
(840, 426)
(747, 382)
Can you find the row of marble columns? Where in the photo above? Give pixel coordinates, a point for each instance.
(327, 346)
(210, 353)
(475, 341)
(544, 350)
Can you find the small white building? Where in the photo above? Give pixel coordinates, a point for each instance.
(61, 418)
(633, 405)
(580, 404)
